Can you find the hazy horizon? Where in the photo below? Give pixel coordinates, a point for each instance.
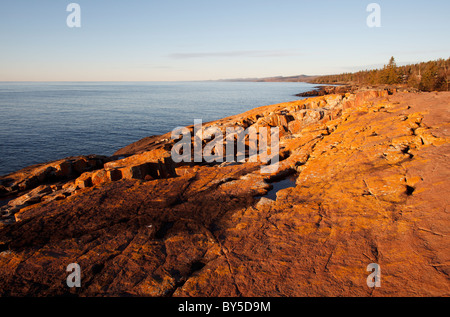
(200, 40)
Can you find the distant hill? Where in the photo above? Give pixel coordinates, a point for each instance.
(425, 76)
(297, 78)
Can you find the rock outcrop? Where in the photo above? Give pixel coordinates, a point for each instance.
(371, 171)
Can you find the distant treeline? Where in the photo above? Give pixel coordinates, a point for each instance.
(427, 76)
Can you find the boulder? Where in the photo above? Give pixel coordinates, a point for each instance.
(84, 181)
(100, 176)
(80, 165)
(63, 169)
(114, 175)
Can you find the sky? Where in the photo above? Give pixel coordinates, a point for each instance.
(182, 40)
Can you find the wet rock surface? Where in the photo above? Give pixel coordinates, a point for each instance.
(371, 176)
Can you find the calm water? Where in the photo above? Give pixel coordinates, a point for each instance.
(40, 122)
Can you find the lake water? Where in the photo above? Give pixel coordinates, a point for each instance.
(41, 122)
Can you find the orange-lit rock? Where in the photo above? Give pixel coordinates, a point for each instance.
(371, 173)
(84, 181)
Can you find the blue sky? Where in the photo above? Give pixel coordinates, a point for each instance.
(175, 40)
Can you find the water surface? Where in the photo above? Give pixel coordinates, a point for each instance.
(40, 122)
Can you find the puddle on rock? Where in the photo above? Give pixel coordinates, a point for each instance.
(279, 185)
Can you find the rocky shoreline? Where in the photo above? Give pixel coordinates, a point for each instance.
(324, 90)
(371, 169)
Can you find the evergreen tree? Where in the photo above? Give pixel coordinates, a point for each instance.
(391, 76)
(433, 75)
(429, 80)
